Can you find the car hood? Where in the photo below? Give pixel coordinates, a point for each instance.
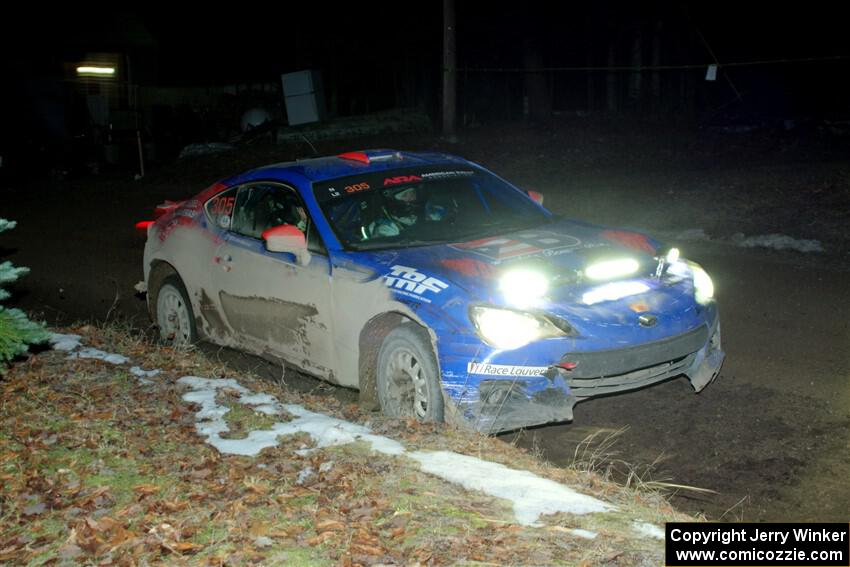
(561, 250)
(471, 271)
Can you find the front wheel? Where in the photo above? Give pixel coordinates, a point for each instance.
(408, 379)
(174, 314)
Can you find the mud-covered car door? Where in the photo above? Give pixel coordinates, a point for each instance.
(272, 304)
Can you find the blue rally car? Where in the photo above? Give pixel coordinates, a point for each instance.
(433, 286)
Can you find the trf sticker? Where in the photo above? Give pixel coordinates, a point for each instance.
(408, 281)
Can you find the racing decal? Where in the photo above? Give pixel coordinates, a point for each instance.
(398, 179)
(356, 187)
(633, 240)
(412, 283)
(344, 186)
(470, 267)
(447, 174)
(521, 245)
(222, 205)
(504, 369)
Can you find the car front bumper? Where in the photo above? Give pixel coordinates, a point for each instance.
(503, 404)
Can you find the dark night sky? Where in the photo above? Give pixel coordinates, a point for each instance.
(243, 43)
(254, 39)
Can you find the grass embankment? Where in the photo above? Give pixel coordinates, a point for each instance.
(97, 466)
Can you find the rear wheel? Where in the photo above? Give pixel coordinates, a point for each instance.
(174, 315)
(408, 379)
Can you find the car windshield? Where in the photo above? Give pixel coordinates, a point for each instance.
(423, 206)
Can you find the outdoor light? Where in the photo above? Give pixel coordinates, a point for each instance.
(507, 329)
(96, 70)
(523, 287)
(613, 291)
(610, 269)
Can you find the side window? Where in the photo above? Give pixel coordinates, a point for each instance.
(264, 205)
(220, 208)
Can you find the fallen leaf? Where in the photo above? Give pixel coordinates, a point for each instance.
(174, 505)
(366, 549)
(320, 539)
(146, 489)
(184, 546)
(329, 525)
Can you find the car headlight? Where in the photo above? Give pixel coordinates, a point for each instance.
(703, 286)
(508, 329)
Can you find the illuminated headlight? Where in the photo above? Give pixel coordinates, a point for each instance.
(523, 288)
(507, 329)
(703, 286)
(672, 255)
(611, 269)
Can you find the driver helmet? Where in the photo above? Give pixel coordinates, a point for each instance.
(402, 205)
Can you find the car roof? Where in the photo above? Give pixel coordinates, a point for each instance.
(348, 164)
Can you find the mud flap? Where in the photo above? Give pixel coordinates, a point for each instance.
(708, 363)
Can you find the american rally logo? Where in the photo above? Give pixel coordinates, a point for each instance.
(520, 245)
(408, 281)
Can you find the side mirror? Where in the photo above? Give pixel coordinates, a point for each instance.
(287, 238)
(535, 196)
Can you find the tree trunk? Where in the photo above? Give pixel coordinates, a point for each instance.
(449, 68)
(611, 80)
(536, 89)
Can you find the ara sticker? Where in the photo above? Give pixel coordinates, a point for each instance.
(399, 179)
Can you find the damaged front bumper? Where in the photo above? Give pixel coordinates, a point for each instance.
(507, 404)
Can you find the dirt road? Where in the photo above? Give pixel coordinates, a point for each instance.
(772, 434)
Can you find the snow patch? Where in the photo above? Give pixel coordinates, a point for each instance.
(139, 372)
(692, 234)
(325, 431)
(774, 241)
(586, 534)
(777, 242)
(98, 354)
(648, 530)
(63, 342)
(531, 495)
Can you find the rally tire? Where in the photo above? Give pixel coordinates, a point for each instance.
(174, 315)
(408, 380)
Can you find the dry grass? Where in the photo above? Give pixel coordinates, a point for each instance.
(96, 466)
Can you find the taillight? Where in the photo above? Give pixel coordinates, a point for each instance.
(142, 226)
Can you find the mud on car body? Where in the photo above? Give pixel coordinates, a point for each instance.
(430, 284)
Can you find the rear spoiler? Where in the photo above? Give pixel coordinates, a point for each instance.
(158, 211)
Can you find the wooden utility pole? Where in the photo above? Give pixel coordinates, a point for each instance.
(449, 69)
